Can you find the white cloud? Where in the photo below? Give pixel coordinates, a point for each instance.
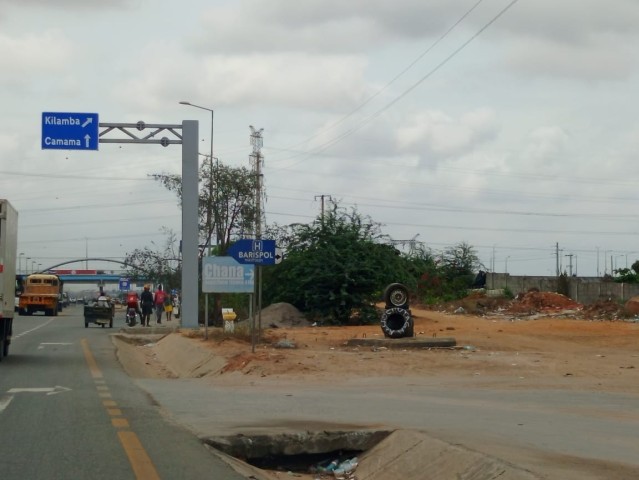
(321, 25)
(598, 60)
(434, 135)
(295, 80)
(34, 54)
(571, 21)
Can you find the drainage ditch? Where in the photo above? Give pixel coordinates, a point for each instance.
(299, 452)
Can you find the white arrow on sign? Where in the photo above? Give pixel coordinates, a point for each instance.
(87, 122)
(87, 139)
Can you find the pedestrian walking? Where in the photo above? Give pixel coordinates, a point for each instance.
(176, 306)
(158, 300)
(168, 307)
(146, 300)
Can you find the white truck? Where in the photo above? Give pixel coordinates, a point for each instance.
(8, 252)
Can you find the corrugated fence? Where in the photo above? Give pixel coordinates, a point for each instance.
(586, 290)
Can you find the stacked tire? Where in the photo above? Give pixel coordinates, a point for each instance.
(396, 320)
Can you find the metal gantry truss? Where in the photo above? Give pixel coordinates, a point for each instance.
(134, 133)
(185, 134)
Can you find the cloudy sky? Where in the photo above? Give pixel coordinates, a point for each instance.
(509, 125)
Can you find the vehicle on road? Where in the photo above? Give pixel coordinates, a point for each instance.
(100, 312)
(8, 252)
(131, 317)
(42, 293)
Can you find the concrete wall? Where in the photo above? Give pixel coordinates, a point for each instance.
(584, 290)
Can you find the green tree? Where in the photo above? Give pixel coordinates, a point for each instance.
(226, 210)
(335, 267)
(459, 260)
(226, 203)
(563, 284)
(626, 275)
(452, 274)
(160, 265)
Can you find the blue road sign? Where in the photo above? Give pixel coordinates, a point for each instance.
(257, 252)
(225, 275)
(70, 131)
(125, 285)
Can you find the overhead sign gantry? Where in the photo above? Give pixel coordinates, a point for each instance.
(80, 131)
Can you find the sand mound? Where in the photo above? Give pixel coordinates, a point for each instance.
(283, 315)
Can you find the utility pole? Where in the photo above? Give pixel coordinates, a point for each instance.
(557, 257)
(492, 269)
(570, 255)
(323, 197)
(256, 162)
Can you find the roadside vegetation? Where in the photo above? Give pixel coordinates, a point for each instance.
(335, 268)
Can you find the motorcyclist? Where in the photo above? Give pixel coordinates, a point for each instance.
(132, 301)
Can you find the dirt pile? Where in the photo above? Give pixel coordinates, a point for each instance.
(604, 310)
(535, 303)
(542, 302)
(632, 306)
(283, 315)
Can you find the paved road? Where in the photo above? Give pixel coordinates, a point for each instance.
(68, 410)
(60, 433)
(557, 433)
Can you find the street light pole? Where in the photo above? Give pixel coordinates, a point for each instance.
(209, 219)
(212, 118)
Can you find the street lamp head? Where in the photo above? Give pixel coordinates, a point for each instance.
(185, 103)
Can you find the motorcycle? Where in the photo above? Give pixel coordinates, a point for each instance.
(131, 317)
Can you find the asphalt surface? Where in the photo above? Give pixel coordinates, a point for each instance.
(68, 410)
(556, 433)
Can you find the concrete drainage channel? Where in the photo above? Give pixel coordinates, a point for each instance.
(300, 452)
(380, 455)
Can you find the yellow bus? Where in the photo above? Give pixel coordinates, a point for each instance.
(41, 294)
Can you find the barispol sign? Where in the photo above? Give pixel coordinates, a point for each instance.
(254, 251)
(258, 257)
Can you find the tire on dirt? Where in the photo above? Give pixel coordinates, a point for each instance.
(397, 323)
(396, 295)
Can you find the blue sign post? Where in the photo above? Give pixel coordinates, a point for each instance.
(70, 131)
(125, 285)
(256, 252)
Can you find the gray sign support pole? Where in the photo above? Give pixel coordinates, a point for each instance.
(189, 304)
(134, 133)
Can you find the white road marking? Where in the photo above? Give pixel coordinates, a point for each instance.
(43, 344)
(33, 329)
(5, 401)
(47, 390)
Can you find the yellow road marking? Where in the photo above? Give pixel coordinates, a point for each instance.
(120, 422)
(93, 365)
(140, 461)
(142, 465)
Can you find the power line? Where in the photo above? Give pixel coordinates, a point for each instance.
(393, 80)
(373, 116)
(74, 177)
